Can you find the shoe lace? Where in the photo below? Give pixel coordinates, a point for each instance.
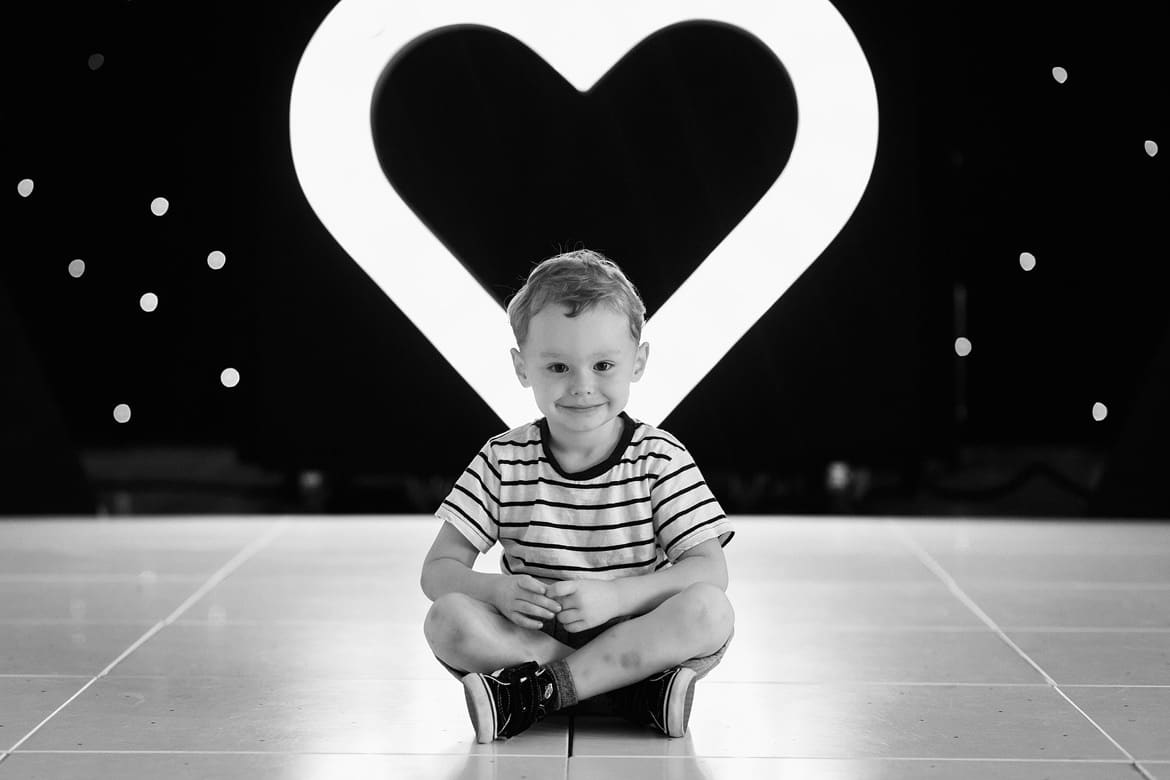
(525, 689)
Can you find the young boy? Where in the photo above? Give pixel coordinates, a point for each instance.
(613, 574)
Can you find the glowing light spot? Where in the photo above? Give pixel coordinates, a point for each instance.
(216, 260)
(122, 413)
(229, 377)
(1060, 74)
(77, 268)
(25, 186)
(159, 206)
(1151, 148)
(962, 346)
(96, 61)
(1027, 261)
(148, 302)
(1099, 411)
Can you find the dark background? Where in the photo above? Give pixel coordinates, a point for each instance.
(344, 407)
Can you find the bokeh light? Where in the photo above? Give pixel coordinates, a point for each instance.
(159, 206)
(1027, 261)
(1151, 148)
(148, 302)
(96, 61)
(1100, 412)
(229, 377)
(216, 260)
(962, 346)
(122, 413)
(25, 187)
(1060, 74)
(77, 268)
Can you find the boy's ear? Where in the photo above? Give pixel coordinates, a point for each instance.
(521, 369)
(640, 358)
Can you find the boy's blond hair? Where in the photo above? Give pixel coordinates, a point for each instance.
(580, 279)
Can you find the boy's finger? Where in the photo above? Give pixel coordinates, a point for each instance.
(562, 588)
(532, 584)
(545, 603)
(527, 622)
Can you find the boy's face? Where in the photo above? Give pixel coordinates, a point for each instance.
(580, 368)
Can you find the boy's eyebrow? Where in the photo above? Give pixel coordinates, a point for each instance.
(603, 353)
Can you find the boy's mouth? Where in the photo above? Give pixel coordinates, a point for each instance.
(581, 409)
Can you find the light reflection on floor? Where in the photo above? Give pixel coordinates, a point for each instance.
(864, 648)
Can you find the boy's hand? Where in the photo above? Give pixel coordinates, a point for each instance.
(586, 603)
(521, 599)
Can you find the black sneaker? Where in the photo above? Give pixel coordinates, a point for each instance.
(508, 702)
(662, 701)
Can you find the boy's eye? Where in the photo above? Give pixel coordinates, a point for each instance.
(558, 368)
(605, 365)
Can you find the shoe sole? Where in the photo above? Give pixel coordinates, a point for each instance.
(481, 708)
(679, 697)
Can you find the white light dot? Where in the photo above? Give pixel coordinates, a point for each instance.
(148, 302)
(159, 206)
(216, 260)
(25, 186)
(77, 268)
(1060, 74)
(1099, 411)
(122, 413)
(1027, 261)
(1151, 148)
(96, 61)
(962, 346)
(229, 377)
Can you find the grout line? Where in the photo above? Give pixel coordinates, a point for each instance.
(237, 560)
(929, 562)
(490, 757)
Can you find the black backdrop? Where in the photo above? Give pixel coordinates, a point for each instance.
(982, 155)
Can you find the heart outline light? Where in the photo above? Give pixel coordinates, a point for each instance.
(777, 240)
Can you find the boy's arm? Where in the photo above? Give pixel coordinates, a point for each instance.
(447, 568)
(702, 563)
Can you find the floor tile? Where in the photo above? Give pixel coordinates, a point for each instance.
(79, 563)
(749, 720)
(1013, 536)
(1097, 658)
(80, 601)
(827, 535)
(590, 768)
(353, 599)
(1045, 606)
(1138, 718)
(1053, 568)
(64, 648)
(196, 766)
(888, 566)
(280, 715)
(774, 652)
(386, 546)
(372, 650)
(851, 604)
(1159, 770)
(26, 701)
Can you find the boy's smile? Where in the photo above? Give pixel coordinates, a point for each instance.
(580, 369)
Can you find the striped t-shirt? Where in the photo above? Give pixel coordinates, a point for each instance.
(632, 514)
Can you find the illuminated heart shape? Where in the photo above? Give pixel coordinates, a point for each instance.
(781, 236)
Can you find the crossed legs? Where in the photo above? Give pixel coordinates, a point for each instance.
(471, 635)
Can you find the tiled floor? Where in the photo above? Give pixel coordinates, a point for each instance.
(864, 648)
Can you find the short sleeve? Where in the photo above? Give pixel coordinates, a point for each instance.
(473, 505)
(686, 513)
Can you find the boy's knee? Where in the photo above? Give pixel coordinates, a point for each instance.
(445, 620)
(709, 612)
